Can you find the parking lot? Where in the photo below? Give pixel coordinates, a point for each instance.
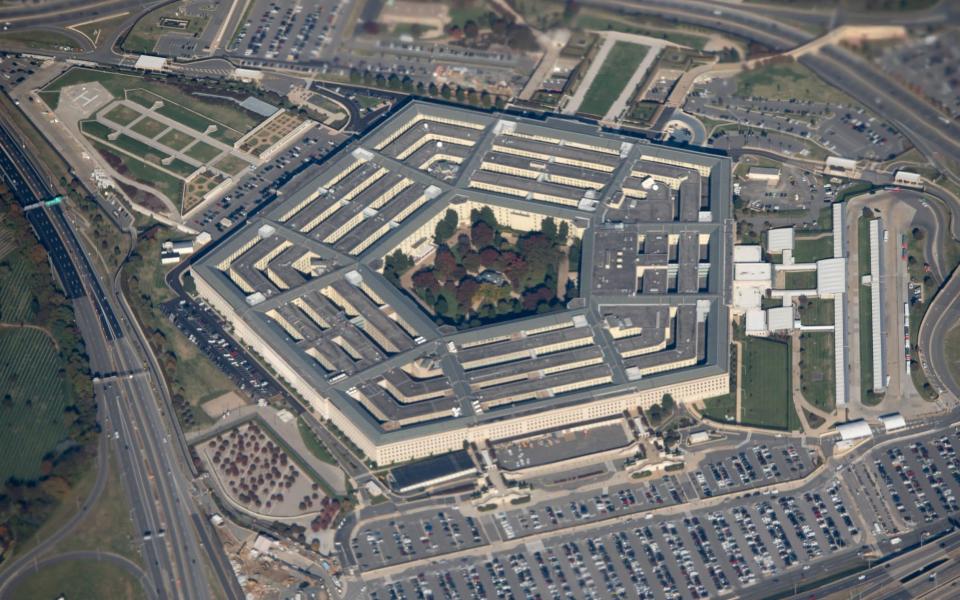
(419, 535)
(911, 484)
(704, 554)
(288, 31)
(203, 329)
(260, 185)
(750, 467)
(848, 131)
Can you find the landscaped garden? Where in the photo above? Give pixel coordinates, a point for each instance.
(483, 272)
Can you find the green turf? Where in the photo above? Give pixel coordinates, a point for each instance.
(79, 580)
(617, 69)
(800, 280)
(168, 185)
(96, 129)
(175, 139)
(34, 396)
(203, 152)
(145, 91)
(122, 114)
(38, 40)
(766, 388)
(806, 250)
(786, 80)
(721, 408)
(231, 165)
(148, 127)
(139, 149)
(180, 167)
(312, 442)
(817, 369)
(817, 311)
(865, 316)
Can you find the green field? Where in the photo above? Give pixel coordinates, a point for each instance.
(122, 114)
(766, 388)
(817, 311)
(800, 280)
(96, 129)
(598, 20)
(721, 408)
(617, 69)
(166, 184)
(143, 36)
(817, 369)
(786, 80)
(145, 91)
(38, 40)
(231, 165)
(806, 250)
(176, 139)
(180, 167)
(148, 127)
(16, 300)
(79, 580)
(202, 152)
(32, 418)
(312, 442)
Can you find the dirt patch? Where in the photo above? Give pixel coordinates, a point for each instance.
(221, 404)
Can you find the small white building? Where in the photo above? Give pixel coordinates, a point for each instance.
(780, 239)
(150, 63)
(169, 258)
(179, 247)
(698, 437)
(844, 167)
(908, 179)
(893, 422)
(743, 253)
(780, 318)
(831, 277)
(756, 322)
(854, 430)
(248, 75)
(770, 175)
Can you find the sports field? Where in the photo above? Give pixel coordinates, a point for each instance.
(32, 401)
(767, 398)
(619, 65)
(816, 369)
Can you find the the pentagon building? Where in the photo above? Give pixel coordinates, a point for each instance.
(302, 285)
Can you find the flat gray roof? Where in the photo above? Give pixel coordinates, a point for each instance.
(350, 321)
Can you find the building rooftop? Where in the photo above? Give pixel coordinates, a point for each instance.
(326, 315)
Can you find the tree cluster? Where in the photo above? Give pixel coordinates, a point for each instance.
(483, 276)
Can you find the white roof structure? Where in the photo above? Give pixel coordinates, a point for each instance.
(150, 63)
(893, 422)
(747, 297)
(831, 276)
(779, 239)
(854, 430)
(698, 437)
(835, 163)
(760, 272)
(780, 318)
(743, 253)
(756, 322)
(248, 74)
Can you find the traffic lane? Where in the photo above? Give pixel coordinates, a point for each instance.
(945, 310)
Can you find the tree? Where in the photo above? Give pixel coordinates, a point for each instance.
(432, 89)
(471, 261)
(481, 234)
(446, 226)
(355, 75)
(445, 91)
(489, 257)
(440, 306)
(426, 280)
(486, 215)
(465, 291)
(563, 233)
(918, 233)
(549, 229)
(668, 404)
(470, 30)
(444, 264)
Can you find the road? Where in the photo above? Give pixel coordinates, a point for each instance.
(115, 559)
(152, 465)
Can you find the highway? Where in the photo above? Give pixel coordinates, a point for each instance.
(152, 464)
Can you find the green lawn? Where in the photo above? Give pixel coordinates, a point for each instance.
(79, 580)
(192, 377)
(166, 184)
(203, 152)
(176, 139)
(231, 165)
(34, 396)
(806, 250)
(143, 37)
(180, 167)
(952, 346)
(721, 408)
(619, 65)
(817, 311)
(785, 80)
(312, 442)
(96, 129)
(138, 149)
(599, 20)
(122, 114)
(38, 40)
(766, 387)
(800, 280)
(146, 90)
(148, 127)
(817, 369)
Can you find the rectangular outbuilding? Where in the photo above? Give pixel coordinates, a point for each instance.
(854, 430)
